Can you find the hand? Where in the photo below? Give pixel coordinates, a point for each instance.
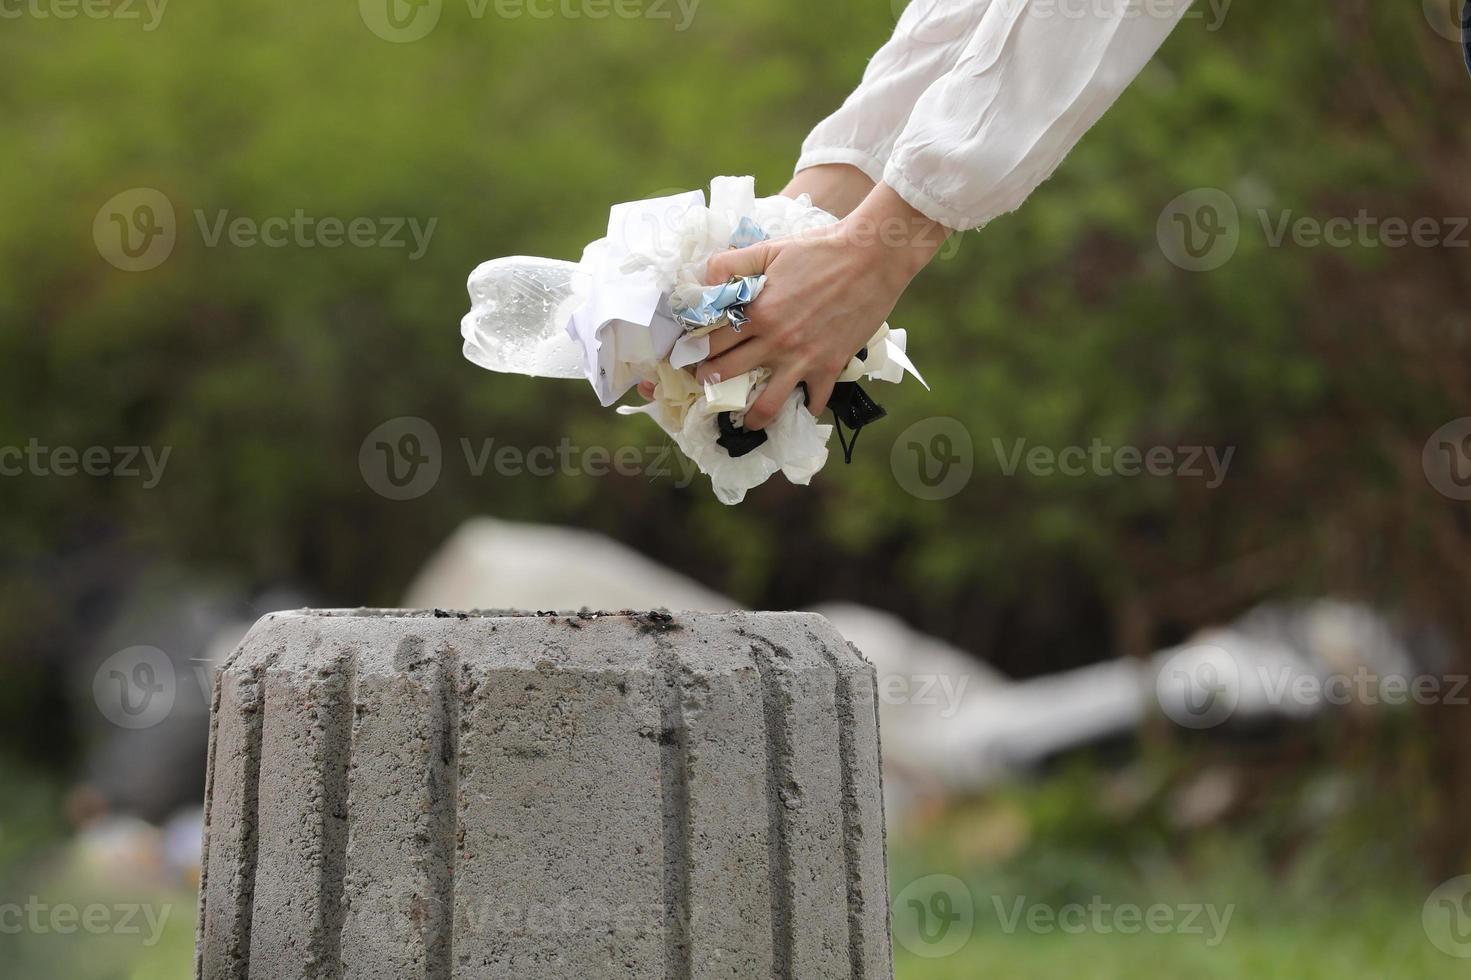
(827, 292)
(837, 188)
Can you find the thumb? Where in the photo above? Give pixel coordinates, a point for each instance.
(749, 261)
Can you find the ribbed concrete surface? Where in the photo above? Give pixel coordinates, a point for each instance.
(405, 795)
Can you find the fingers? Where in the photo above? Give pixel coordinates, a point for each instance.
(738, 360)
(819, 390)
(646, 388)
(724, 339)
(749, 261)
(769, 403)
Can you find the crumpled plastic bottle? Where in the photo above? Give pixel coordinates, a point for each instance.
(519, 306)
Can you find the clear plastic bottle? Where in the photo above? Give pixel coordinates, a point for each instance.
(519, 307)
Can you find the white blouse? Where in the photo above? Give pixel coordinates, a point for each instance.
(973, 103)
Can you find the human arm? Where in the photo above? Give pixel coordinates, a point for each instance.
(1029, 82)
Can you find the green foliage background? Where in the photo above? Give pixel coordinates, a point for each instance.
(264, 368)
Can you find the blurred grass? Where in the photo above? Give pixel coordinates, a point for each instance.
(1312, 868)
(1312, 875)
(1359, 947)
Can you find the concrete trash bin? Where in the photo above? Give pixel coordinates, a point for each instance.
(422, 794)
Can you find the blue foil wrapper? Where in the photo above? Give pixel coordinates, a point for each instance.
(725, 301)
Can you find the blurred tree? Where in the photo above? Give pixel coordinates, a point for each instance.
(262, 368)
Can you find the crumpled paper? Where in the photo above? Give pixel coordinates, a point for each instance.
(643, 313)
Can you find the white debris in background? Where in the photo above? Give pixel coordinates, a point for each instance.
(494, 564)
(951, 724)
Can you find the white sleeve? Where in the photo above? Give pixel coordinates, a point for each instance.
(927, 42)
(1032, 79)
